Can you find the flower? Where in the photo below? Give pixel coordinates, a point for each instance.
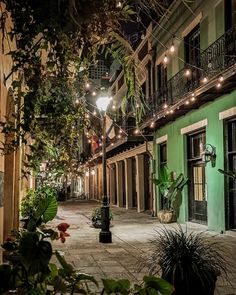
(63, 227)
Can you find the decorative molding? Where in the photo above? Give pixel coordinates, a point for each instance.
(193, 127)
(161, 139)
(227, 113)
(131, 153)
(192, 25)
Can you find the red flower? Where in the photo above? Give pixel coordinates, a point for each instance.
(63, 227)
(9, 239)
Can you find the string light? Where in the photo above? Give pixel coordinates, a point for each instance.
(167, 112)
(165, 60)
(119, 4)
(187, 102)
(205, 80)
(93, 172)
(112, 144)
(136, 131)
(89, 141)
(101, 154)
(171, 111)
(94, 93)
(192, 98)
(165, 106)
(218, 85)
(120, 131)
(87, 116)
(100, 144)
(119, 136)
(152, 124)
(77, 101)
(87, 85)
(187, 72)
(172, 48)
(113, 107)
(102, 137)
(221, 79)
(94, 113)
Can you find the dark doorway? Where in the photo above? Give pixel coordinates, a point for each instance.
(134, 189)
(230, 14)
(231, 166)
(147, 187)
(197, 179)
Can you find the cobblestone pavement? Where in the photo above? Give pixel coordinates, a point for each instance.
(131, 234)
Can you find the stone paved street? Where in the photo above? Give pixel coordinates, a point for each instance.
(131, 234)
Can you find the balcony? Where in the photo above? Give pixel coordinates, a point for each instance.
(218, 59)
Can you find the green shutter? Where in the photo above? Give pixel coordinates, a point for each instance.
(219, 19)
(204, 33)
(181, 55)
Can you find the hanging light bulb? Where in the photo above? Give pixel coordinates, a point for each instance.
(171, 111)
(172, 48)
(221, 78)
(187, 72)
(93, 172)
(120, 131)
(113, 107)
(136, 131)
(167, 112)
(165, 60)
(165, 106)
(187, 102)
(87, 116)
(218, 85)
(112, 144)
(100, 144)
(89, 141)
(152, 124)
(87, 133)
(205, 80)
(77, 101)
(102, 137)
(87, 173)
(119, 136)
(94, 113)
(94, 93)
(192, 98)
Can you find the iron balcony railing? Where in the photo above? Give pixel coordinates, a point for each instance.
(219, 56)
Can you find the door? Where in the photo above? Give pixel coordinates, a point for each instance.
(231, 166)
(197, 196)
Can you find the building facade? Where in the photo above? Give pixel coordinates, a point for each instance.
(187, 72)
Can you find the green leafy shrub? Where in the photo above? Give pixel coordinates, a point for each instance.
(97, 217)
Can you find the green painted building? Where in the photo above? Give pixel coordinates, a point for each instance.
(192, 89)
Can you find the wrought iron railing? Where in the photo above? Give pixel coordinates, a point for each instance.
(219, 56)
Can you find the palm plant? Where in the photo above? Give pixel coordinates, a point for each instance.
(187, 261)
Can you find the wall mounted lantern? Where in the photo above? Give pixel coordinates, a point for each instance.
(209, 154)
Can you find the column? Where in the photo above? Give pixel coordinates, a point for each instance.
(140, 182)
(119, 183)
(128, 182)
(112, 184)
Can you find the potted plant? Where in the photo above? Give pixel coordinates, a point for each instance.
(171, 190)
(188, 261)
(97, 218)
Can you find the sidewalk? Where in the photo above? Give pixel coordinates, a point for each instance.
(131, 234)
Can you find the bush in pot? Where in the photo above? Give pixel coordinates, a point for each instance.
(188, 261)
(171, 190)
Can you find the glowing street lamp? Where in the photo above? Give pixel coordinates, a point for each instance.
(105, 234)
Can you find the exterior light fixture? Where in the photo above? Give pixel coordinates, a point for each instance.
(209, 154)
(103, 102)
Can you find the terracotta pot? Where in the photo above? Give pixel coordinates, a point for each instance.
(166, 216)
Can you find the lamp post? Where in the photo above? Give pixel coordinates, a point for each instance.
(105, 234)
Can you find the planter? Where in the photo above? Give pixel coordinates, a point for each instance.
(97, 223)
(166, 216)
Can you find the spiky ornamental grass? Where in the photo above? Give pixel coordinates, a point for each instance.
(188, 261)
